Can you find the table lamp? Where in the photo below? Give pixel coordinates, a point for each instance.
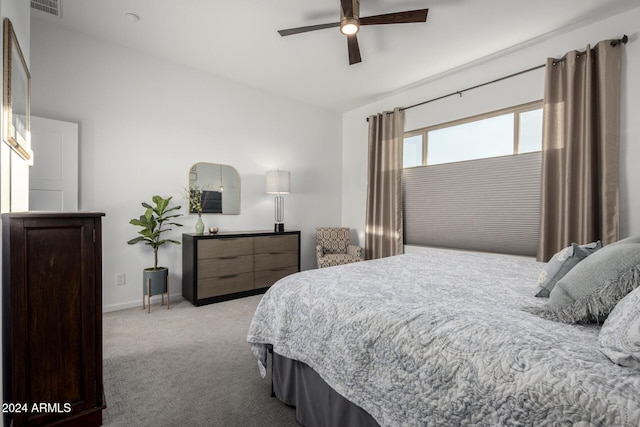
(279, 183)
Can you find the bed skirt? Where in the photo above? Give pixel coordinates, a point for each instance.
(316, 403)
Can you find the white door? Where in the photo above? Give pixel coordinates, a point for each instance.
(53, 178)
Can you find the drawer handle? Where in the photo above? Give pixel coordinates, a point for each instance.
(228, 257)
(228, 276)
(275, 253)
(279, 269)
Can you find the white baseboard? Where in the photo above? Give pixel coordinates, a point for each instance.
(138, 303)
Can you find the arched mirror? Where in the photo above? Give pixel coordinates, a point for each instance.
(219, 187)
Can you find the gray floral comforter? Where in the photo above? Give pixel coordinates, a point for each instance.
(439, 338)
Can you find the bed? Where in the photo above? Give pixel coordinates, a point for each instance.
(435, 338)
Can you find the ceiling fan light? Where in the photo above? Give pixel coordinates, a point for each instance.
(349, 26)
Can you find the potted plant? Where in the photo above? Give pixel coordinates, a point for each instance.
(155, 222)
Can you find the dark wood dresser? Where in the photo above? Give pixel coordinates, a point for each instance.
(217, 267)
(52, 318)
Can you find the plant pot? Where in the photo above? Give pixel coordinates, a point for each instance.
(158, 280)
(155, 282)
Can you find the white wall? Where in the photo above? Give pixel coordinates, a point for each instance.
(518, 90)
(144, 122)
(14, 171)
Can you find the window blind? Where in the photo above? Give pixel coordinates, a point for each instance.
(490, 205)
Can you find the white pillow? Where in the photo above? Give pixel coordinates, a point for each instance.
(561, 263)
(620, 333)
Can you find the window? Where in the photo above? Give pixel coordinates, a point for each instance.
(464, 188)
(514, 130)
(412, 151)
(530, 131)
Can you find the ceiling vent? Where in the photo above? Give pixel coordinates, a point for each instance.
(52, 7)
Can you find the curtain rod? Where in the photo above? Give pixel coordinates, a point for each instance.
(460, 92)
(624, 39)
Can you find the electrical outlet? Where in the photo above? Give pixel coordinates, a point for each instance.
(121, 279)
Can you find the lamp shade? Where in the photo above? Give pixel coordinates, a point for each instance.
(278, 182)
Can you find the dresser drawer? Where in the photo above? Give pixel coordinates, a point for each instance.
(223, 285)
(232, 265)
(224, 265)
(275, 260)
(277, 243)
(214, 248)
(266, 278)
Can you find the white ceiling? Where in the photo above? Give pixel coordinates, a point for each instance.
(238, 39)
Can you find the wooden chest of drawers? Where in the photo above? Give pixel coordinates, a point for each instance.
(52, 318)
(222, 266)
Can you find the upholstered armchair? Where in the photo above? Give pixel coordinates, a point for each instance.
(334, 247)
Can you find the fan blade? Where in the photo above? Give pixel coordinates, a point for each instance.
(347, 8)
(299, 30)
(354, 49)
(406, 17)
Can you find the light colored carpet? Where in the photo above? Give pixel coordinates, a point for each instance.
(187, 366)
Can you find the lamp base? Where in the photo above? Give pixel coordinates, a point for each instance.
(278, 227)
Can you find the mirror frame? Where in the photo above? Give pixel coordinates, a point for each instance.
(219, 196)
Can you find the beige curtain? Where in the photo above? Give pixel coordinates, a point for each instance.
(580, 149)
(383, 230)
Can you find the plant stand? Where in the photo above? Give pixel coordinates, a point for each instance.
(154, 283)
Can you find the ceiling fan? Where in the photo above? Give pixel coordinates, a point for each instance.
(350, 22)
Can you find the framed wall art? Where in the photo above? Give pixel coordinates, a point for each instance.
(17, 92)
